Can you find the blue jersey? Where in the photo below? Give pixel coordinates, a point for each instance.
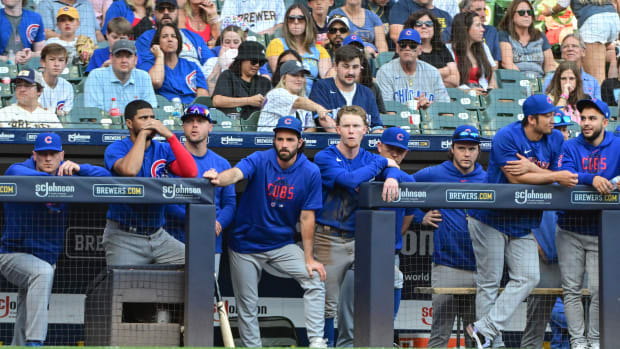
(182, 81)
(196, 42)
(401, 212)
(30, 29)
(341, 178)
(452, 244)
(38, 229)
(588, 161)
(271, 205)
(507, 143)
(225, 200)
(156, 163)
(117, 9)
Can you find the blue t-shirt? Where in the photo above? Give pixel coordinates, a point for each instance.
(30, 29)
(507, 143)
(156, 164)
(118, 8)
(341, 178)
(452, 244)
(365, 32)
(225, 200)
(401, 212)
(182, 81)
(271, 205)
(402, 9)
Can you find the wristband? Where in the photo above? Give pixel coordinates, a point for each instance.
(214, 20)
(564, 96)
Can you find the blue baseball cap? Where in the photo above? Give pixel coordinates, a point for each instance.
(594, 103)
(537, 104)
(617, 131)
(288, 123)
(410, 34)
(354, 38)
(396, 137)
(564, 120)
(198, 110)
(48, 141)
(466, 133)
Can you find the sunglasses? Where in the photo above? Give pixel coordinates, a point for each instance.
(558, 119)
(523, 12)
(255, 62)
(299, 18)
(163, 9)
(342, 30)
(468, 135)
(197, 110)
(411, 45)
(428, 24)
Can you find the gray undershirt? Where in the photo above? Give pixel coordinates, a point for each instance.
(15, 43)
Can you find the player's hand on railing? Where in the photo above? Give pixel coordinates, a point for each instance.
(519, 167)
(68, 168)
(312, 265)
(211, 174)
(565, 178)
(432, 218)
(602, 185)
(390, 190)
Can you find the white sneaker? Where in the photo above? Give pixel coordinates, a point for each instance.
(580, 346)
(473, 333)
(595, 345)
(318, 343)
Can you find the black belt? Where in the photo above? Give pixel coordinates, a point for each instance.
(337, 232)
(138, 230)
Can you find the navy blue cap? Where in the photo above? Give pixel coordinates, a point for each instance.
(396, 137)
(466, 133)
(594, 103)
(537, 104)
(410, 34)
(288, 123)
(560, 115)
(48, 141)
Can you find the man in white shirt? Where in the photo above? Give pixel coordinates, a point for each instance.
(57, 93)
(27, 113)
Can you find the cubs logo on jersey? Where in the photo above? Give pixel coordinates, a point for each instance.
(32, 31)
(190, 80)
(159, 169)
(279, 191)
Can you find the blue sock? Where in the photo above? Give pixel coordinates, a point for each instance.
(328, 332)
(397, 294)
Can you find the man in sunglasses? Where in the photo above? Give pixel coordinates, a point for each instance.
(524, 152)
(197, 124)
(407, 78)
(134, 234)
(337, 30)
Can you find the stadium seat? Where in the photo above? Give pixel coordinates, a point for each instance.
(224, 123)
(34, 64)
(86, 117)
(463, 98)
(498, 115)
(502, 97)
(163, 102)
(251, 123)
(516, 81)
(8, 70)
(260, 38)
(79, 87)
(613, 119)
(167, 119)
(403, 117)
(443, 118)
(78, 100)
(72, 73)
(204, 100)
(383, 57)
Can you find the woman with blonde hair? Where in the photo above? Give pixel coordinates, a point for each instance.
(566, 88)
(134, 11)
(200, 17)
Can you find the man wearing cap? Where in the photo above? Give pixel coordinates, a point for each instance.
(197, 125)
(27, 113)
(32, 239)
(48, 9)
(120, 80)
(454, 264)
(524, 152)
(26, 37)
(403, 8)
(593, 157)
(337, 31)
(134, 234)
(284, 187)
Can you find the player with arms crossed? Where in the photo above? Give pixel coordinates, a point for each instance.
(524, 152)
(283, 188)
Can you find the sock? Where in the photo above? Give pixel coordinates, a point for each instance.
(329, 332)
(397, 294)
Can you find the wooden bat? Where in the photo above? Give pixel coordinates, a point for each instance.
(224, 324)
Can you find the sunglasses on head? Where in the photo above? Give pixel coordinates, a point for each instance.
(523, 12)
(196, 110)
(467, 135)
(404, 45)
(424, 23)
(300, 18)
(342, 30)
(558, 119)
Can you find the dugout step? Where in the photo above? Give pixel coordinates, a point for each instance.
(135, 306)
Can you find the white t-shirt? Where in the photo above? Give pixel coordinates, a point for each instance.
(17, 117)
(348, 96)
(69, 45)
(255, 15)
(61, 95)
(278, 103)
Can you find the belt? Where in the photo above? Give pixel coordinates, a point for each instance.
(138, 230)
(337, 232)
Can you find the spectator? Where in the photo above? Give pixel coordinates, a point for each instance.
(473, 58)
(319, 10)
(523, 47)
(260, 16)
(363, 23)
(118, 29)
(134, 234)
(407, 78)
(573, 49)
(26, 38)
(366, 79)
(101, 7)
(48, 9)
(133, 11)
(434, 51)
(598, 26)
(289, 98)
(33, 238)
(566, 88)
(450, 6)
(239, 89)
(491, 38)
(343, 90)
(120, 80)
(288, 55)
(200, 17)
(230, 40)
(611, 89)
(68, 22)
(299, 34)
(173, 76)
(337, 31)
(194, 47)
(27, 113)
(382, 9)
(404, 8)
(57, 93)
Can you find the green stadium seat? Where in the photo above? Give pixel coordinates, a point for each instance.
(251, 123)
(79, 87)
(224, 123)
(516, 81)
(613, 119)
(498, 115)
(260, 38)
(8, 70)
(204, 100)
(93, 118)
(463, 98)
(78, 100)
(443, 118)
(502, 97)
(382, 58)
(72, 73)
(402, 121)
(34, 64)
(167, 119)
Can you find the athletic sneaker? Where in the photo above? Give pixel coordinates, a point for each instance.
(473, 333)
(318, 343)
(580, 346)
(595, 345)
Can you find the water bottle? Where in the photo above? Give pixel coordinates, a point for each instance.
(528, 87)
(115, 111)
(178, 107)
(414, 117)
(11, 57)
(614, 182)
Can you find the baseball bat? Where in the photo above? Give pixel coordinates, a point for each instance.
(224, 324)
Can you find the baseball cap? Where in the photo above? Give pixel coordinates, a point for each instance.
(161, 2)
(396, 137)
(47, 141)
(594, 103)
(288, 123)
(68, 11)
(250, 50)
(560, 118)
(466, 133)
(617, 131)
(356, 39)
(410, 34)
(198, 110)
(30, 76)
(293, 67)
(338, 18)
(537, 104)
(124, 45)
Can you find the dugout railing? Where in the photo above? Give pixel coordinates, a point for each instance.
(197, 194)
(374, 279)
